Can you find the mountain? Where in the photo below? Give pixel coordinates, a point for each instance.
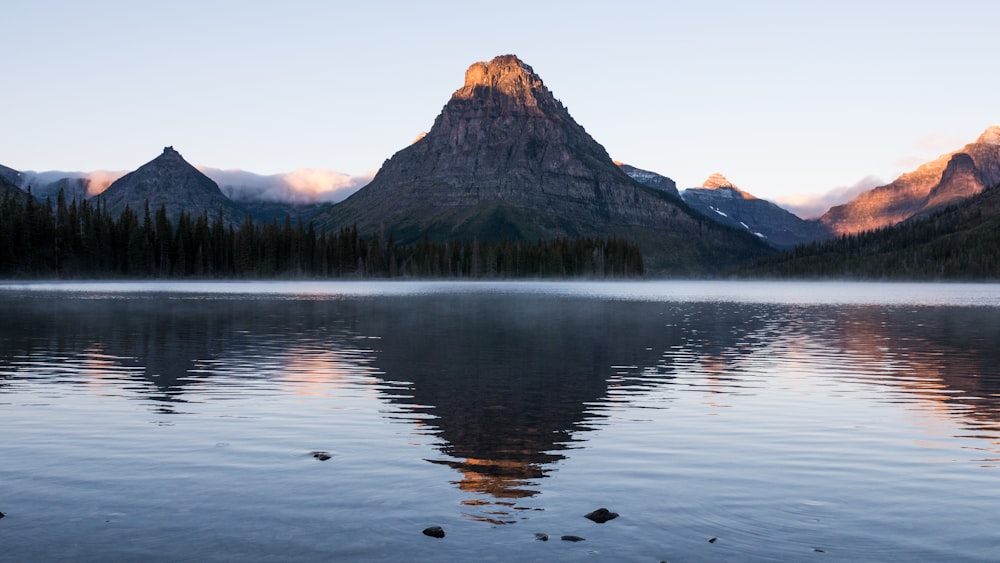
(170, 181)
(949, 178)
(958, 242)
(719, 200)
(505, 160)
(11, 176)
(650, 179)
(9, 188)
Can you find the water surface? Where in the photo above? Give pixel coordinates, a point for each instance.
(788, 421)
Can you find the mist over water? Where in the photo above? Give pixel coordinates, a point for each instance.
(788, 421)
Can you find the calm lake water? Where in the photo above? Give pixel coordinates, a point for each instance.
(723, 421)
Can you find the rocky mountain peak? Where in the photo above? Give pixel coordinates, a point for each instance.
(716, 181)
(505, 160)
(719, 182)
(170, 181)
(507, 76)
(991, 136)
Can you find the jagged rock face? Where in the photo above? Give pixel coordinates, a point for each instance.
(505, 159)
(943, 181)
(719, 200)
(168, 180)
(650, 179)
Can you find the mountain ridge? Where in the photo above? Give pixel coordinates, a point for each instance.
(504, 159)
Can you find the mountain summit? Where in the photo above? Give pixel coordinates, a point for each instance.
(505, 160)
(169, 180)
(948, 179)
(720, 200)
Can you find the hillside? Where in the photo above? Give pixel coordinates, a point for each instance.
(959, 242)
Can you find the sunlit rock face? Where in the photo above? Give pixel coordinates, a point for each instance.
(168, 180)
(720, 200)
(945, 180)
(505, 160)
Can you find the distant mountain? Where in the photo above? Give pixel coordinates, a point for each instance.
(958, 242)
(650, 179)
(9, 188)
(719, 200)
(12, 177)
(168, 180)
(948, 179)
(505, 160)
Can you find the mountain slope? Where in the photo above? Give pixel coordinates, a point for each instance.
(168, 180)
(947, 179)
(8, 188)
(719, 200)
(650, 179)
(958, 242)
(504, 159)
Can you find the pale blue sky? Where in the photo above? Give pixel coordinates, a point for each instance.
(781, 97)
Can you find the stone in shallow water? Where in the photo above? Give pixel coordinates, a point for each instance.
(601, 515)
(322, 456)
(434, 532)
(572, 538)
(542, 537)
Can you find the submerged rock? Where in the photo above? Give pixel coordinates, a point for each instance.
(601, 515)
(542, 537)
(712, 539)
(322, 456)
(572, 538)
(434, 532)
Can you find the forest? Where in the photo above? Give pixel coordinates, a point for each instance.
(959, 242)
(80, 239)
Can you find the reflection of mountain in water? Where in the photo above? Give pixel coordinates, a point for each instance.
(511, 382)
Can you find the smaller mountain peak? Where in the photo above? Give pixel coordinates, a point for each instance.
(716, 181)
(991, 136)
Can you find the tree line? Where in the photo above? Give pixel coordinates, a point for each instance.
(81, 239)
(959, 242)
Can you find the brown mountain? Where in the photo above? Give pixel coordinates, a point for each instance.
(504, 159)
(719, 200)
(949, 178)
(168, 180)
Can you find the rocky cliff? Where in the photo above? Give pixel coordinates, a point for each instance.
(168, 180)
(504, 159)
(947, 179)
(719, 200)
(650, 179)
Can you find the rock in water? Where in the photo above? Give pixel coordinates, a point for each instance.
(572, 538)
(542, 537)
(601, 515)
(434, 532)
(322, 456)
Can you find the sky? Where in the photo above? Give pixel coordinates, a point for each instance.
(787, 99)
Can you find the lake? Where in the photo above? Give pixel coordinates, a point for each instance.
(314, 421)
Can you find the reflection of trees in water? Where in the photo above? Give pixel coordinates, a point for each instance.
(510, 382)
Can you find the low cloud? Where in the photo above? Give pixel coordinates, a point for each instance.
(99, 181)
(813, 205)
(303, 186)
